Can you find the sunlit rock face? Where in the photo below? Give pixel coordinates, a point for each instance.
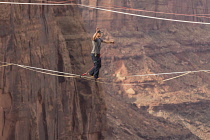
(148, 46)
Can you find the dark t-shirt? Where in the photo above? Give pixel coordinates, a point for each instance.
(96, 45)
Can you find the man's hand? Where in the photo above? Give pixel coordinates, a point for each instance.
(97, 29)
(94, 36)
(112, 42)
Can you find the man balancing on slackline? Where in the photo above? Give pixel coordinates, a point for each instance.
(95, 53)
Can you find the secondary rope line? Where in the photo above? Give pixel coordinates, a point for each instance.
(170, 73)
(150, 17)
(132, 9)
(176, 77)
(137, 15)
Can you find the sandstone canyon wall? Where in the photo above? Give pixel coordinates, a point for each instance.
(37, 106)
(42, 107)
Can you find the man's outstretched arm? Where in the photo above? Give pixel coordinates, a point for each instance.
(108, 42)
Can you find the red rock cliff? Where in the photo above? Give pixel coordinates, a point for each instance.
(37, 106)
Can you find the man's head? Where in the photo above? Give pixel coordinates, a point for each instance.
(98, 34)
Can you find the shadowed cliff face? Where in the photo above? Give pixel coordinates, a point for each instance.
(147, 46)
(38, 106)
